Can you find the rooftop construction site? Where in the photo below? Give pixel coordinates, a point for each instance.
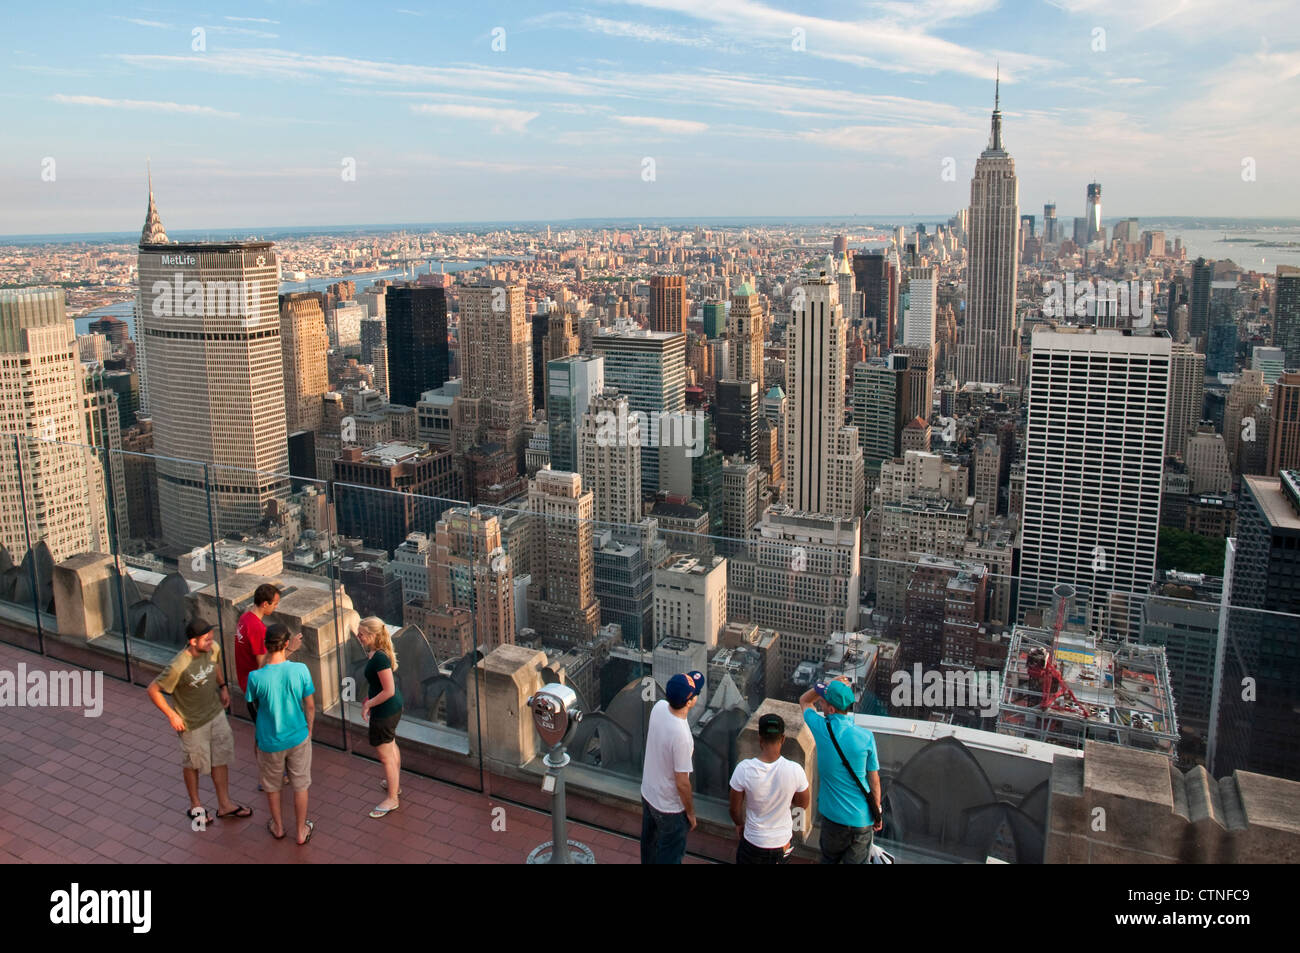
(1064, 684)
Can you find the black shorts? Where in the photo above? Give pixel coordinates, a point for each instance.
(384, 730)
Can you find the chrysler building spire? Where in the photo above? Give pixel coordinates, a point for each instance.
(153, 232)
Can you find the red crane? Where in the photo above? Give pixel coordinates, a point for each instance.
(1040, 664)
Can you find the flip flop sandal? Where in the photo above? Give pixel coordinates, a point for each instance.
(203, 813)
(240, 811)
(382, 811)
(270, 829)
(311, 829)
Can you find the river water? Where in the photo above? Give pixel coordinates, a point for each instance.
(125, 310)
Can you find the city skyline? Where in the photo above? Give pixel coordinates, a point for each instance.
(1022, 479)
(495, 132)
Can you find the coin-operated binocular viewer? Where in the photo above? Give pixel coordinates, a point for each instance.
(555, 713)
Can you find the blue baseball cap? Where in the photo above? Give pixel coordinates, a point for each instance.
(837, 693)
(682, 688)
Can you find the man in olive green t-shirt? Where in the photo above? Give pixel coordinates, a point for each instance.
(199, 696)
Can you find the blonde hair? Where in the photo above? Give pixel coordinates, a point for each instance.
(374, 627)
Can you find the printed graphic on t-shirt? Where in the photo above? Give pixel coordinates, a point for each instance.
(199, 676)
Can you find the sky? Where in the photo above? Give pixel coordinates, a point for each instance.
(255, 112)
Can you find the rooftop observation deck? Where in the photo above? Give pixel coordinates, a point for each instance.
(108, 790)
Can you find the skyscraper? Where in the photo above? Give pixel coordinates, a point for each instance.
(384, 494)
(799, 574)
(304, 343)
(690, 600)
(745, 335)
(823, 460)
(609, 459)
(881, 400)
(571, 383)
(1286, 314)
(562, 603)
(1096, 232)
(990, 338)
(417, 342)
(919, 322)
(1098, 401)
(60, 498)
(715, 319)
(649, 369)
(560, 341)
(1241, 419)
(1259, 646)
(209, 327)
(496, 366)
(877, 282)
(470, 570)
(1186, 396)
(1051, 227)
(920, 382)
(742, 502)
(1198, 301)
(1284, 435)
(735, 418)
(1221, 336)
(668, 303)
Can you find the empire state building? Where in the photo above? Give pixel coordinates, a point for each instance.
(990, 338)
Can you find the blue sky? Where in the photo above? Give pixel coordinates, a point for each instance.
(741, 114)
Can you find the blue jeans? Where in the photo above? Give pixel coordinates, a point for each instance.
(845, 845)
(663, 836)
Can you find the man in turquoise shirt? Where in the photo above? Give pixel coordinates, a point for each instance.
(849, 815)
(284, 695)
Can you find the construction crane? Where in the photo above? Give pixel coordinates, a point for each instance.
(1040, 664)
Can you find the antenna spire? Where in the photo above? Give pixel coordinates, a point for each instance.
(995, 127)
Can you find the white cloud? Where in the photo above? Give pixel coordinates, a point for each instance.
(623, 29)
(502, 120)
(153, 24)
(895, 41)
(673, 126)
(243, 31)
(734, 92)
(143, 104)
(1187, 17)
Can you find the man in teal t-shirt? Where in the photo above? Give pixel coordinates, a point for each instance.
(849, 817)
(284, 695)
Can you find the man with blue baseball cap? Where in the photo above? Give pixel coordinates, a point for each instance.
(846, 756)
(667, 808)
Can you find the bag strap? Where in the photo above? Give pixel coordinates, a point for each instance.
(847, 767)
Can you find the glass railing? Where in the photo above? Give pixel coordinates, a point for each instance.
(116, 551)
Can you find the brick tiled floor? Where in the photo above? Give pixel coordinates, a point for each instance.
(109, 790)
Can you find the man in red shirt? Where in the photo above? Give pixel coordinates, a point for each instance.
(250, 636)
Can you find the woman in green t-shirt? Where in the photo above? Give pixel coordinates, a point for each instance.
(383, 707)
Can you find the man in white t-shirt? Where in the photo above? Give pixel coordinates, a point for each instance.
(763, 792)
(667, 808)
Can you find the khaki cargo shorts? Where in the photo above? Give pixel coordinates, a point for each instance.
(208, 746)
(272, 766)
